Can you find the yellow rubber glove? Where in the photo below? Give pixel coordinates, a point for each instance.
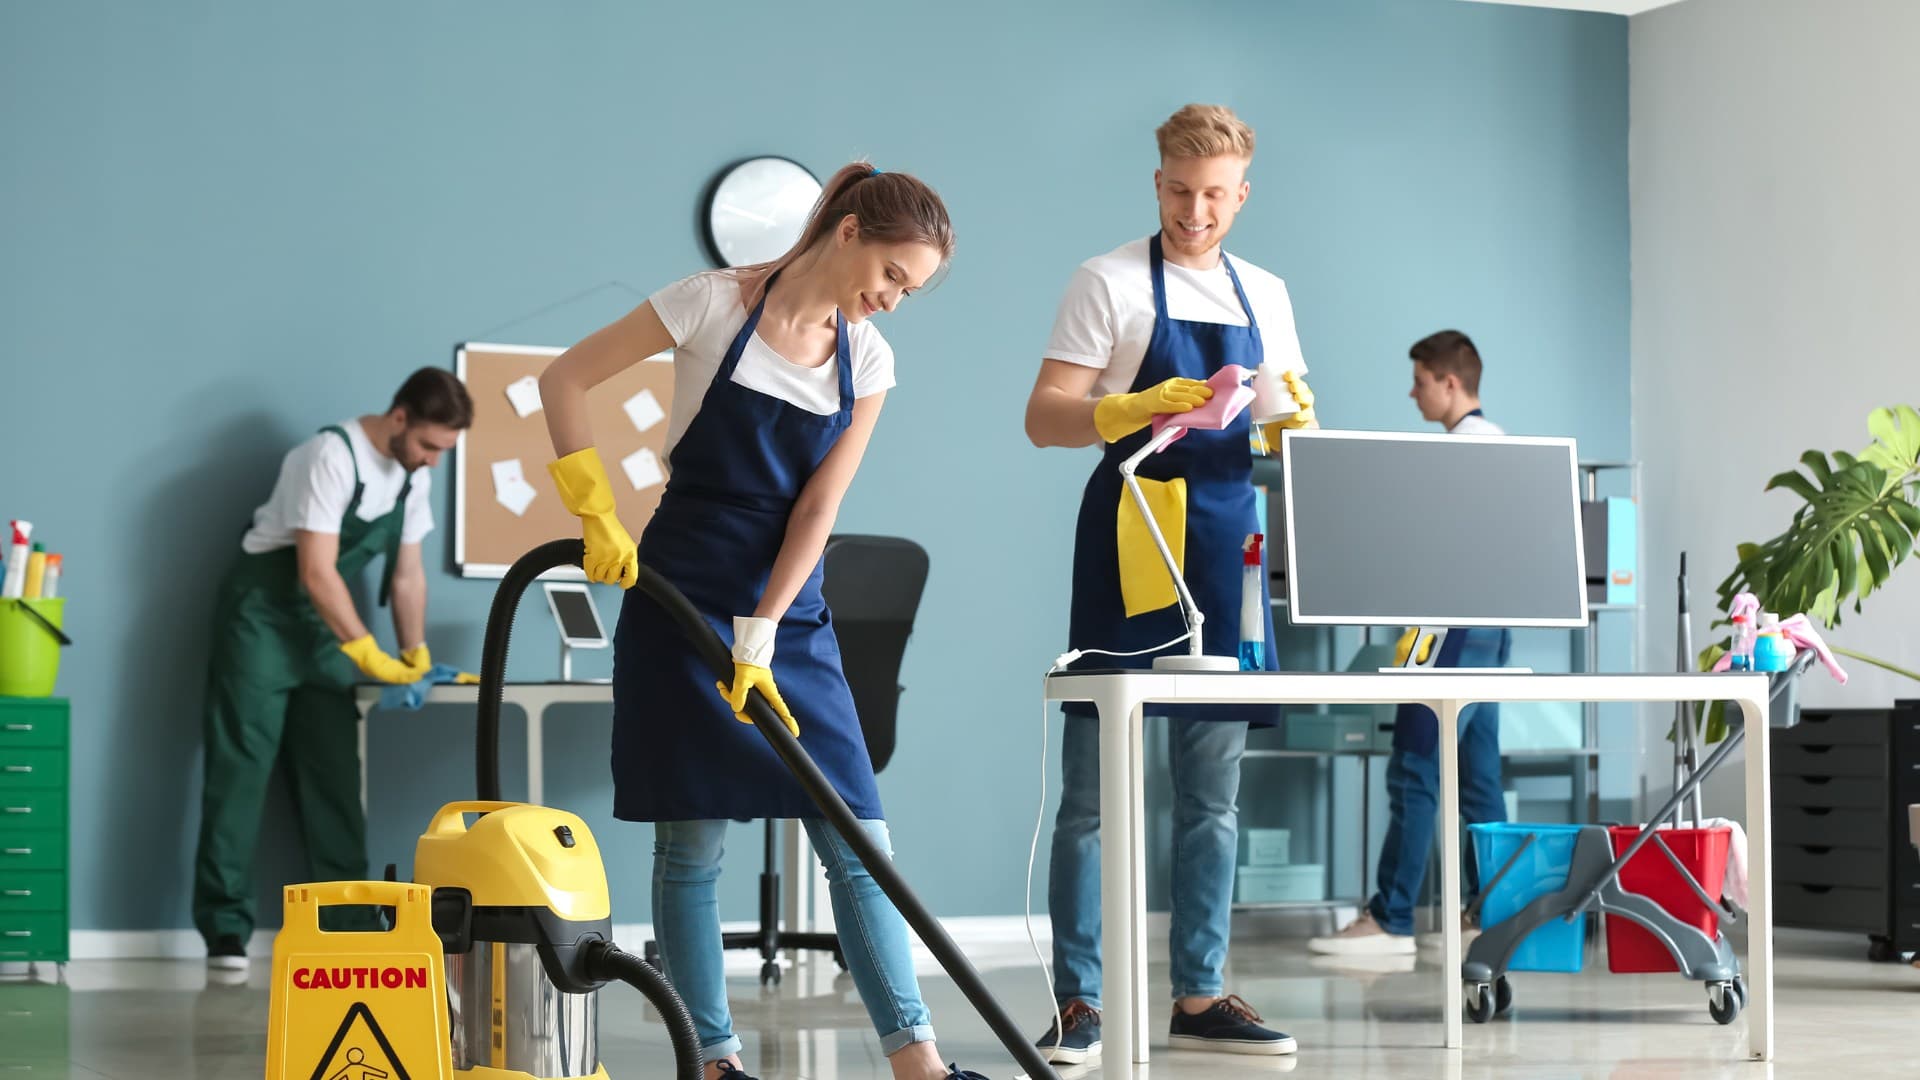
(419, 657)
(753, 640)
(1302, 397)
(1117, 416)
(1405, 646)
(749, 677)
(375, 664)
(612, 557)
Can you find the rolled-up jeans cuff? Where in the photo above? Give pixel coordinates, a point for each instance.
(721, 1050)
(1205, 992)
(905, 1037)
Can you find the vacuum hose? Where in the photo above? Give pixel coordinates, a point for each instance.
(604, 960)
(714, 653)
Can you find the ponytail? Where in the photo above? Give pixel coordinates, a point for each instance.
(892, 208)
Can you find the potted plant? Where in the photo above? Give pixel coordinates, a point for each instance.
(1859, 518)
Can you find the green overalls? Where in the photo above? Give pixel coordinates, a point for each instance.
(277, 681)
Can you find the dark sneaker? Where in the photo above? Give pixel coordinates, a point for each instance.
(955, 1072)
(728, 1071)
(1229, 1027)
(1082, 1040)
(228, 953)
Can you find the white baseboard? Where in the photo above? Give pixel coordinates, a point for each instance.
(990, 941)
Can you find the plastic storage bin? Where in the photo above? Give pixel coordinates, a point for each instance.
(1301, 882)
(1542, 869)
(1630, 948)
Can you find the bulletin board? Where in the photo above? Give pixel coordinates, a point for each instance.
(628, 426)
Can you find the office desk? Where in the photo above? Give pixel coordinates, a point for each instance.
(534, 697)
(1119, 697)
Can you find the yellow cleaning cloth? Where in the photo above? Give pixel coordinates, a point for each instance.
(1144, 583)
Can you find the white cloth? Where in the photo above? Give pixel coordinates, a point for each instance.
(703, 314)
(1106, 317)
(1476, 425)
(1734, 886)
(316, 484)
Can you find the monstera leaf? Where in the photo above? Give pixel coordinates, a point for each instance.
(1858, 521)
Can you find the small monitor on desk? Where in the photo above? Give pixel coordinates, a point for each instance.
(575, 615)
(578, 620)
(1431, 530)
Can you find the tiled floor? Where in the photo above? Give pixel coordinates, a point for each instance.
(1839, 1017)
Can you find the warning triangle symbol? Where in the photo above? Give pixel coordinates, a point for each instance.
(355, 1062)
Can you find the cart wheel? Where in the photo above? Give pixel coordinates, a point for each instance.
(1740, 990)
(1479, 1002)
(1723, 1002)
(1502, 997)
(1881, 951)
(769, 973)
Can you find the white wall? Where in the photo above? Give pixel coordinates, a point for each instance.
(1775, 173)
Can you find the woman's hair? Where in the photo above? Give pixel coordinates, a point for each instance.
(892, 208)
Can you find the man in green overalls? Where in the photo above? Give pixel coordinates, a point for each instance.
(288, 645)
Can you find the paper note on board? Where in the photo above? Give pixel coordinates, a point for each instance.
(510, 487)
(644, 410)
(524, 394)
(643, 469)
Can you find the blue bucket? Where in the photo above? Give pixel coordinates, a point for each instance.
(1558, 945)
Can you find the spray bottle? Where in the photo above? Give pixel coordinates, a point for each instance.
(1253, 606)
(15, 582)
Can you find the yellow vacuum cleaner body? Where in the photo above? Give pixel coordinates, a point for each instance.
(517, 895)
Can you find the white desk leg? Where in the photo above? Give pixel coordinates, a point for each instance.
(796, 873)
(364, 711)
(536, 754)
(1759, 881)
(1137, 877)
(1122, 879)
(1449, 825)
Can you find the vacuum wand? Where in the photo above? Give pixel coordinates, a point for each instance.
(714, 654)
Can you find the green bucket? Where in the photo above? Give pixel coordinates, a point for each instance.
(29, 653)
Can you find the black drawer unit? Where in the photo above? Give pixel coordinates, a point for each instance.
(1842, 780)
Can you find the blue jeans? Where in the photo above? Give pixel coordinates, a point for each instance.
(1206, 783)
(873, 935)
(1413, 782)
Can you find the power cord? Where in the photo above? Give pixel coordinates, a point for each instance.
(1064, 660)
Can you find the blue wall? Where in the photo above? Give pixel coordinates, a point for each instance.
(227, 224)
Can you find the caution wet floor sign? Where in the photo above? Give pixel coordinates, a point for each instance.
(358, 1006)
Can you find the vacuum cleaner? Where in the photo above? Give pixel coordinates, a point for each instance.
(520, 895)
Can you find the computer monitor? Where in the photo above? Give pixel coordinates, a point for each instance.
(1434, 530)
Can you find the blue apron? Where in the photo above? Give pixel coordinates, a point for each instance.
(678, 752)
(1218, 466)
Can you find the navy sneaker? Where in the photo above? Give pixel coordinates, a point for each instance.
(955, 1072)
(1082, 1040)
(730, 1073)
(1229, 1027)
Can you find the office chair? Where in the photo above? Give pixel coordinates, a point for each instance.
(872, 586)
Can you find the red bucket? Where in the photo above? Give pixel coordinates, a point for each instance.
(1630, 948)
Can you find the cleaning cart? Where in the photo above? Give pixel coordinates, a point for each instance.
(1549, 878)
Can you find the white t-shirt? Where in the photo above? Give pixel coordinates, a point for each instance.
(1476, 423)
(316, 484)
(703, 314)
(1106, 317)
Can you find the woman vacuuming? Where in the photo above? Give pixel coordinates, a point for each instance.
(779, 375)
